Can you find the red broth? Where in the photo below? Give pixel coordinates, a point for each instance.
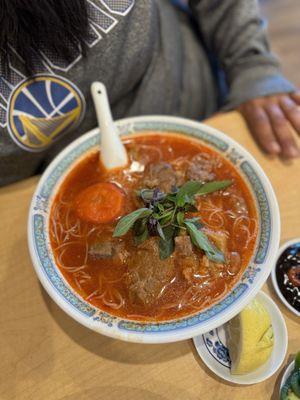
(112, 282)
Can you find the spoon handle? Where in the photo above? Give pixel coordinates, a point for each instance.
(113, 152)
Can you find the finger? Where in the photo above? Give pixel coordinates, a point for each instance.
(291, 111)
(296, 96)
(283, 132)
(261, 129)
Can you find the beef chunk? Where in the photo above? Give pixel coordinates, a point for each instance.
(187, 258)
(184, 246)
(160, 175)
(201, 168)
(142, 154)
(148, 275)
(194, 264)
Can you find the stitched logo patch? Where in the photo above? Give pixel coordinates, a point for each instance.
(43, 109)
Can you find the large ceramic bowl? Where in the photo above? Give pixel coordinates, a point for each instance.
(247, 287)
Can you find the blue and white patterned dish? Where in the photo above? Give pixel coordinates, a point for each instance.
(214, 342)
(170, 331)
(213, 350)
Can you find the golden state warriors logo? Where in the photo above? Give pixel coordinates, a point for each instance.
(42, 109)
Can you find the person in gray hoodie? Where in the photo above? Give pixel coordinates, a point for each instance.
(153, 57)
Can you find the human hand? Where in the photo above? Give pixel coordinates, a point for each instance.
(271, 120)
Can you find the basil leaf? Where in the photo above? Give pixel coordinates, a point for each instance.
(139, 226)
(140, 230)
(166, 247)
(139, 239)
(171, 197)
(189, 207)
(128, 221)
(201, 241)
(169, 232)
(160, 231)
(167, 217)
(180, 218)
(160, 207)
(195, 221)
(166, 214)
(146, 195)
(210, 187)
(187, 192)
(151, 195)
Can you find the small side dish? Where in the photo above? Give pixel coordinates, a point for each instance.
(286, 275)
(291, 388)
(250, 338)
(248, 349)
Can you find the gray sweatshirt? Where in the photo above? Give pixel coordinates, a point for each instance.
(152, 61)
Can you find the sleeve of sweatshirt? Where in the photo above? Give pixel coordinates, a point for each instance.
(235, 33)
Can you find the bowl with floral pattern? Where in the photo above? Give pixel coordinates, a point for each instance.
(182, 328)
(212, 348)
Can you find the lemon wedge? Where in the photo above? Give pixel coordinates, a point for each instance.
(250, 338)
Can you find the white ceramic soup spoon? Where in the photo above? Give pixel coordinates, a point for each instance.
(113, 152)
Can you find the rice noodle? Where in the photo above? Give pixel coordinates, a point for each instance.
(243, 225)
(66, 244)
(73, 269)
(61, 201)
(113, 299)
(92, 230)
(54, 232)
(59, 258)
(92, 294)
(211, 215)
(217, 214)
(115, 280)
(196, 297)
(140, 316)
(84, 275)
(86, 253)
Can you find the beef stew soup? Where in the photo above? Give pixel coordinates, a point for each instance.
(131, 278)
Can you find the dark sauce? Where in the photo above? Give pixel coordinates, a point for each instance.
(288, 261)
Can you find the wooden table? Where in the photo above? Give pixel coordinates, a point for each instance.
(44, 354)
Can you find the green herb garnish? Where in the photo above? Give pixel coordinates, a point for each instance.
(127, 222)
(164, 216)
(166, 245)
(200, 240)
